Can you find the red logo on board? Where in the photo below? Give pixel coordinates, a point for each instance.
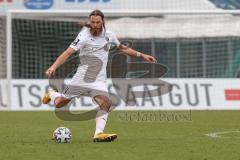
(232, 94)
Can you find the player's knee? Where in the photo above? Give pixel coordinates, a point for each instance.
(60, 102)
(59, 105)
(103, 102)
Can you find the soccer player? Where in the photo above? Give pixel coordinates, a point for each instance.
(91, 42)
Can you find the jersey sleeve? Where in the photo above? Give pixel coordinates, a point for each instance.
(114, 39)
(78, 43)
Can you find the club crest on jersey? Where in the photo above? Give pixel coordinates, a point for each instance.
(107, 39)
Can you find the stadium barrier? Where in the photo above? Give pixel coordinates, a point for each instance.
(186, 94)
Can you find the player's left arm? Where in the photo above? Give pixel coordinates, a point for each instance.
(133, 53)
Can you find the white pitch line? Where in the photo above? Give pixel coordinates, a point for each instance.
(218, 134)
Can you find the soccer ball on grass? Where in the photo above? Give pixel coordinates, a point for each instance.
(62, 135)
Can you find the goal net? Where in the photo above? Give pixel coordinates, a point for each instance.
(191, 44)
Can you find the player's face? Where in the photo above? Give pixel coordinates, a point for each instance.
(96, 24)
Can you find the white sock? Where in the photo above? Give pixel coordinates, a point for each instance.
(53, 94)
(101, 120)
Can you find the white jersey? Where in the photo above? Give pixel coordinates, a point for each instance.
(93, 52)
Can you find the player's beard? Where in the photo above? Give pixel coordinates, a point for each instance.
(96, 31)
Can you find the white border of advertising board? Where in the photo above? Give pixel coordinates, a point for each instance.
(187, 94)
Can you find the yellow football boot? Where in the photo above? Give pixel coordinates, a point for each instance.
(46, 98)
(103, 137)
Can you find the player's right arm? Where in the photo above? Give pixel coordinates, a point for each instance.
(59, 61)
(76, 45)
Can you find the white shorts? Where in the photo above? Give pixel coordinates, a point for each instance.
(91, 90)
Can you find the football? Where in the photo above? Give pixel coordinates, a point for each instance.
(62, 135)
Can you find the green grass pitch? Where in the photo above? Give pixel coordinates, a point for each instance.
(175, 135)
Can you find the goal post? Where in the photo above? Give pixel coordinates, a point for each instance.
(193, 44)
(9, 59)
